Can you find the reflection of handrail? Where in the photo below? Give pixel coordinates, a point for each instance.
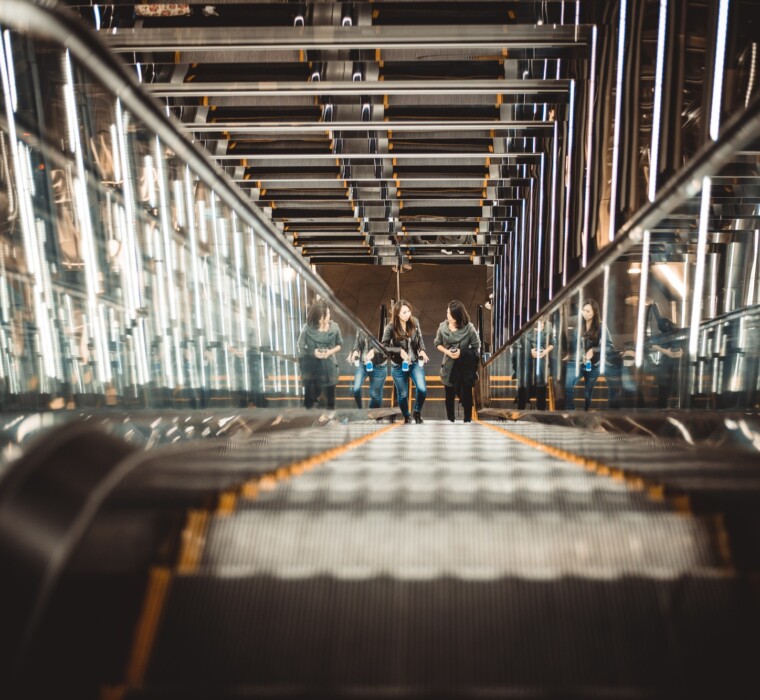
(716, 321)
(738, 132)
(46, 19)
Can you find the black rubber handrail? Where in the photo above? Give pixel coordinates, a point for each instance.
(48, 499)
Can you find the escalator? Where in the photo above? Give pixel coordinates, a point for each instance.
(356, 559)
(173, 525)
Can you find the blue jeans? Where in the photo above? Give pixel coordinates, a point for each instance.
(571, 379)
(376, 381)
(401, 380)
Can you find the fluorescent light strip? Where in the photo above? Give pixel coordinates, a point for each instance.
(605, 314)
(568, 179)
(618, 116)
(699, 275)
(82, 211)
(589, 150)
(720, 57)
(522, 263)
(10, 72)
(654, 151)
(643, 287)
(540, 229)
(579, 332)
(553, 212)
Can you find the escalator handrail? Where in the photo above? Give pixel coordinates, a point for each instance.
(78, 465)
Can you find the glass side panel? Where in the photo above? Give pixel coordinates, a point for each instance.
(125, 279)
(671, 321)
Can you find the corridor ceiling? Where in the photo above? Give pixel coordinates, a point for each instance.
(371, 132)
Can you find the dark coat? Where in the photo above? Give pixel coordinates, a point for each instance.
(464, 371)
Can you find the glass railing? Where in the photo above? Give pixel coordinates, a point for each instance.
(668, 316)
(132, 272)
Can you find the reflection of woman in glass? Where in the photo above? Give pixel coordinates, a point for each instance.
(318, 343)
(587, 366)
(402, 340)
(665, 354)
(540, 342)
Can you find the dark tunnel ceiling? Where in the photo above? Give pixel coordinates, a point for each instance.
(418, 127)
(369, 129)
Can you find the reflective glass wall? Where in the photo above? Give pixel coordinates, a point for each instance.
(659, 304)
(128, 277)
(670, 320)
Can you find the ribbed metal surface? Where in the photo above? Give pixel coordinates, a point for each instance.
(180, 470)
(693, 468)
(448, 559)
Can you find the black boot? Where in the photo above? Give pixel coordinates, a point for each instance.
(407, 419)
(417, 417)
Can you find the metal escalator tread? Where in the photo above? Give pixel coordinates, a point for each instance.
(312, 635)
(450, 561)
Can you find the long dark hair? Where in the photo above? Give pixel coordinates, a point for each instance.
(398, 331)
(459, 313)
(316, 313)
(595, 329)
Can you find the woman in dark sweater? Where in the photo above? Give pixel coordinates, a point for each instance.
(402, 341)
(458, 340)
(318, 344)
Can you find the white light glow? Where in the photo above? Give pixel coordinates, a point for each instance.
(589, 151)
(9, 72)
(643, 287)
(699, 275)
(623, 9)
(568, 179)
(540, 228)
(553, 211)
(654, 151)
(605, 315)
(720, 57)
(675, 282)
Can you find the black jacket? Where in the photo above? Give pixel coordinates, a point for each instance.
(464, 372)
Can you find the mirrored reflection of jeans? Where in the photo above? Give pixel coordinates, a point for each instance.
(589, 377)
(401, 380)
(376, 381)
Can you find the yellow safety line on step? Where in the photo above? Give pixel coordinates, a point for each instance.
(147, 625)
(227, 503)
(722, 540)
(251, 489)
(191, 549)
(193, 540)
(655, 491)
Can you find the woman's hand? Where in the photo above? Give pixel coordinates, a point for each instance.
(453, 354)
(371, 354)
(404, 354)
(589, 354)
(354, 356)
(424, 356)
